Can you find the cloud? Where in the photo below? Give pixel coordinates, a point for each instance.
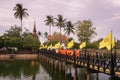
(103, 13)
(116, 2)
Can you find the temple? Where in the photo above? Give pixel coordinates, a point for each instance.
(34, 31)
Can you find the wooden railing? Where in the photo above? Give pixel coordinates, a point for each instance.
(101, 64)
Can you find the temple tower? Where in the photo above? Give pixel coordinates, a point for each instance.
(34, 30)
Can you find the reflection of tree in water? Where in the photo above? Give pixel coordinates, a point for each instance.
(84, 75)
(69, 76)
(56, 74)
(13, 69)
(53, 71)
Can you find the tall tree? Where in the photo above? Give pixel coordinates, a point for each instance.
(85, 30)
(60, 22)
(14, 31)
(26, 32)
(69, 28)
(39, 33)
(30, 42)
(46, 34)
(12, 37)
(49, 21)
(20, 13)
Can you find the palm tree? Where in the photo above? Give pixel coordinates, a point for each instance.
(20, 13)
(60, 22)
(49, 21)
(46, 34)
(39, 33)
(69, 28)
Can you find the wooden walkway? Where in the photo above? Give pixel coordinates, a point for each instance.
(95, 63)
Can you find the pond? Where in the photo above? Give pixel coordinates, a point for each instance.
(40, 70)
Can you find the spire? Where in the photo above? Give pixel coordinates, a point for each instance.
(34, 30)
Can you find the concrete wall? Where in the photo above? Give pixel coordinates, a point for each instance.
(18, 56)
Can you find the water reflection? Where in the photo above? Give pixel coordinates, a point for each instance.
(15, 69)
(42, 70)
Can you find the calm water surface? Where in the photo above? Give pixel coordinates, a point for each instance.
(39, 70)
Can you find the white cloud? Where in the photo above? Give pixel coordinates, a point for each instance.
(103, 13)
(116, 2)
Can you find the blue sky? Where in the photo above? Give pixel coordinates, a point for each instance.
(105, 14)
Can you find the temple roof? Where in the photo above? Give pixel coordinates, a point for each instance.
(34, 30)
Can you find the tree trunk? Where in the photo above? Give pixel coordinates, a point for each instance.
(60, 30)
(21, 28)
(50, 29)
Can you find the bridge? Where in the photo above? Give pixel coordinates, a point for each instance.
(95, 63)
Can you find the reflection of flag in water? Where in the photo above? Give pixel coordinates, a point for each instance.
(82, 45)
(70, 44)
(107, 42)
(57, 45)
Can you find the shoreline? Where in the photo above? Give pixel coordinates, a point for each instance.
(21, 56)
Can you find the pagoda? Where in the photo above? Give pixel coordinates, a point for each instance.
(34, 31)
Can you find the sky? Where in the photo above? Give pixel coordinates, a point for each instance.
(104, 14)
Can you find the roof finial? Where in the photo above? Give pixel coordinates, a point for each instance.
(34, 30)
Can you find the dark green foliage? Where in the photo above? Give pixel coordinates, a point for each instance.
(92, 45)
(50, 22)
(30, 42)
(60, 22)
(14, 31)
(12, 39)
(20, 13)
(85, 31)
(69, 28)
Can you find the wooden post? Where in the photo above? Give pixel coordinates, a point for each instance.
(74, 58)
(88, 59)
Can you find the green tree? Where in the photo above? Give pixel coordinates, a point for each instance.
(11, 37)
(117, 44)
(14, 31)
(92, 45)
(26, 32)
(52, 41)
(30, 42)
(1, 42)
(85, 30)
(14, 42)
(49, 21)
(46, 34)
(39, 33)
(20, 13)
(69, 28)
(60, 22)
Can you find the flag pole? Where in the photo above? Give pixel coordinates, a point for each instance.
(115, 64)
(112, 61)
(85, 48)
(111, 45)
